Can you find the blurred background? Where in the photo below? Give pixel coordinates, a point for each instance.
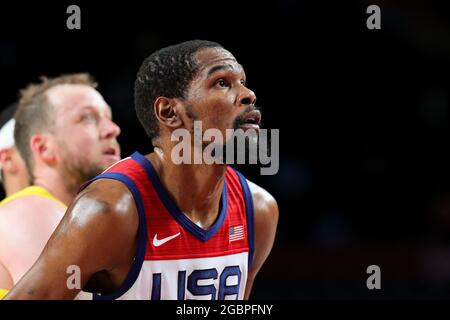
(364, 119)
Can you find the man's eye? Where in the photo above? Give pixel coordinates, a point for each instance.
(88, 117)
(221, 83)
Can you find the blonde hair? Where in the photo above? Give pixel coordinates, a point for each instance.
(36, 114)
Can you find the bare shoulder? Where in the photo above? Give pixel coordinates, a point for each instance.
(103, 199)
(265, 219)
(30, 215)
(103, 213)
(265, 226)
(106, 191)
(30, 201)
(28, 209)
(265, 205)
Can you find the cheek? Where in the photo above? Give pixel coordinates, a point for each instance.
(215, 110)
(88, 144)
(221, 112)
(82, 142)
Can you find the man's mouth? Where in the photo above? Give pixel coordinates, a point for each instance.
(111, 151)
(251, 120)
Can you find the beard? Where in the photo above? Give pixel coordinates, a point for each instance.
(77, 170)
(239, 121)
(230, 143)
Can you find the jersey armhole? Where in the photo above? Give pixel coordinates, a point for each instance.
(250, 214)
(142, 236)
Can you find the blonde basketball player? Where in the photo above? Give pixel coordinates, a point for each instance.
(65, 133)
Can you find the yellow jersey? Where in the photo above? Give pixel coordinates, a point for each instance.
(28, 191)
(3, 293)
(31, 191)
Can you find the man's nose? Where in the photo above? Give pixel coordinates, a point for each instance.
(246, 97)
(110, 129)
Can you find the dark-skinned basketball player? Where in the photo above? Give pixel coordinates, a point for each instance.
(148, 228)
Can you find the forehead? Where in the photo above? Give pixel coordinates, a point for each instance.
(209, 58)
(73, 97)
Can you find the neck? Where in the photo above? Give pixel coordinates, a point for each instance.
(53, 182)
(196, 189)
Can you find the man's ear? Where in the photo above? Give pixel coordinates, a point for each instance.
(42, 147)
(6, 162)
(166, 112)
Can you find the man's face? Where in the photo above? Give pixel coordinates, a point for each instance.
(84, 132)
(218, 96)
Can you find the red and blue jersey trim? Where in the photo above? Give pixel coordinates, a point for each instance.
(184, 221)
(138, 174)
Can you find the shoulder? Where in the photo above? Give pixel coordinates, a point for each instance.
(103, 213)
(29, 215)
(265, 226)
(103, 200)
(265, 205)
(265, 220)
(16, 211)
(107, 192)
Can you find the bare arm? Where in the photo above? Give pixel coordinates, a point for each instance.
(6, 280)
(97, 233)
(266, 219)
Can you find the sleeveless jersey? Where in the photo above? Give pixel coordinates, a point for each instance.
(176, 259)
(31, 191)
(3, 293)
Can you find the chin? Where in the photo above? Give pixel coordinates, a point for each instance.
(110, 159)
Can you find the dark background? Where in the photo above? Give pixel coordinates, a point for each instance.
(363, 116)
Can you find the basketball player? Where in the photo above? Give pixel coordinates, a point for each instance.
(13, 172)
(147, 228)
(65, 134)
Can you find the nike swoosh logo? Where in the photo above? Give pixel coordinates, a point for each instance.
(158, 242)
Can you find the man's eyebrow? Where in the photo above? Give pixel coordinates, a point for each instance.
(86, 107)
(221, 67)
(92, 108)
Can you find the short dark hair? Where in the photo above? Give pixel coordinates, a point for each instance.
(168, 73)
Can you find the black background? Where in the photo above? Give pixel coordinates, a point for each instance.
(363, 116)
